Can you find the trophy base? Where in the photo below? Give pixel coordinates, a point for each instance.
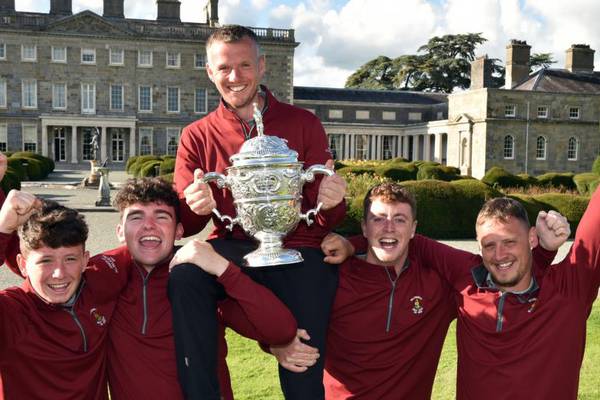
(268, 257)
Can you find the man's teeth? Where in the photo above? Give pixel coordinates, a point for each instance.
(388, 242)
(237, 88)
(58, 286)
(504, 265)
(150, 239)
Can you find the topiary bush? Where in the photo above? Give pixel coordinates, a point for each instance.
(47, 163)
(137, 165)
(167, 166)
(584, 182)
(596, 166)
(149, 168)
(398, 172)
(129, 162)
(528, 180)
(11, 180)
(356, 170)
(437, 171)
(16, 164)
(557, 180)
(499, 177)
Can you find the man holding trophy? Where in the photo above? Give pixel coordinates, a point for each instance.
(268, 202)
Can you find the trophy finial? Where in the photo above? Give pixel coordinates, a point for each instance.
(260, 128)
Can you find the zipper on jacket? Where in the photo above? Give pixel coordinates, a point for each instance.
(393, 282)
(144, 299)
(500, 317)
(72, 312)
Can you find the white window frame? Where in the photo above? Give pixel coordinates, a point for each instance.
(540, 153)
(205, 108)
(335, 114)
(146, 65)
(569, 149)
(86, 98)
(505, 148)
(510, 110)
(201, 57)
(542, 112)
(111, 60)
(415, 116)
(362, 114)
(33, 104)
(388, 115)
(574, 112)
(25, 127)
(3, 137)
(29, 59)
(3, 93)
(3, 52)
(58, 60)
(55, 96)
(171, 111)
(143, 132)
(86, 52)
(110, 95)
(177, 59)
(169, 134)
(140, 98)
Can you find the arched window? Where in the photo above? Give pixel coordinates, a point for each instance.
(573, 148)
(509, 147)
(540, 148)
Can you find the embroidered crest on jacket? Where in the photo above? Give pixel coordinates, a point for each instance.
(98, 318)
(417, 305)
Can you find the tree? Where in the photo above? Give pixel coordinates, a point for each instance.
(378, 73)
(539, 61)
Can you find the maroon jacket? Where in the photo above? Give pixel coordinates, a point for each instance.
(209, 142)
(142, 350)
(48, 351)
(529, 345)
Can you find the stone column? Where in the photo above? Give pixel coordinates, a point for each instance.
(351, 145)
(74, 147)
(404, 146)
(415, 147)
(44, 139)
(437, 152)
(132, 141)
(103, 144)
(426, 147)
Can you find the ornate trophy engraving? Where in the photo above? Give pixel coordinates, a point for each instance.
(266, 181)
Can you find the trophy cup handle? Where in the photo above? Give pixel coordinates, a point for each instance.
(226, 218)
(309, 174)
(215, 176)
(310, 214)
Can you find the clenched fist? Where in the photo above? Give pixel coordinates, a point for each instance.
(198, 195)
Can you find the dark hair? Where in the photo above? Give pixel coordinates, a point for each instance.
(54, 226)
(503, 208)
(145, 191)
(389, 192)
(231, 34)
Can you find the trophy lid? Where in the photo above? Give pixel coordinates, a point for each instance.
(263, 149)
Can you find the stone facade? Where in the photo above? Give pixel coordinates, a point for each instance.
(137, 82)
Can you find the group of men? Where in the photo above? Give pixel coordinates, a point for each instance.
(146, 321)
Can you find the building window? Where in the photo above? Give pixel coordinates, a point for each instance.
(87, 146)
(145, 141)
(388, 146)
(172, 141)
(3, 101)
(2, 51)
(336, 114)
(388, 115)
(362, 114)
(88, 56)
(30, 138)
(173, 60)
(509, 147)
(361, 147)
(540, 148)
(172, 99)
(510, 110)
(200, 101)
(59, 54)
(336, 146)
(3, 138)
(572, 149)
(414, 116)
(145, 58)
(145, 98)
(440, 115)
(88, 98)
(29, 93)
(542, 112)
(116, 97)
(59, 96)
(116, 56)
(574, 113)
(28, 52)
(199, 60)
(117, 140)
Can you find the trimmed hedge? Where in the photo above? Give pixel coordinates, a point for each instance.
(149, 168)
(167, 166)
(11, 180)
(501, 178)
(48, 163)
(557, 180)
(398, 172)
(16, 164)
(596, 166)
(585, 181)
(136, 166)
(439, 172)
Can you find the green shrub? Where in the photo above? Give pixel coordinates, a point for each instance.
(596, 166)
(572, 207)
(167, 166)
(557, 180)
(584, 182)
(499, 177)
(437, 171)
(528, 180)
(47, 163)
(337, 164)
(355, 170)
(137, 165)
(35, 169)
(16, 164)
(149, 168)
(10, 181)
(398, 172)
(167, 177)
(130, 161)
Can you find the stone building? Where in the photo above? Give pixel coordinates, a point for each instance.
(65, 76)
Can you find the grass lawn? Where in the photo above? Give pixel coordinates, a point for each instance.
(254, 374)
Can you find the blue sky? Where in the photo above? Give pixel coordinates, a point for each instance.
(337, 36)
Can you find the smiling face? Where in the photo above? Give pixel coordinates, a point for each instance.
(506, 251)
(54, 274)
(236, 69)
(149, 230)
(388, 227)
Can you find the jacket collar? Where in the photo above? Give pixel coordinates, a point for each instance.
(223, 110)
(483, 280)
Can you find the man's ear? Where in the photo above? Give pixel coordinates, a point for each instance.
(121, 232)
(533, 237)
(22, 263)
(178, 231)
(414, 229)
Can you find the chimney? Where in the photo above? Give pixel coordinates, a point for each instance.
(113, 9)
(212, 12)
(517, 63)
(168, 10)
(60, 7)
(481, 73)
(7, 6)
(580, 58)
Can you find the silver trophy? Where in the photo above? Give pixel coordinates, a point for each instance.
(266, 181)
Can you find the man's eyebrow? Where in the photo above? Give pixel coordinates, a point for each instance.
(134, 213)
